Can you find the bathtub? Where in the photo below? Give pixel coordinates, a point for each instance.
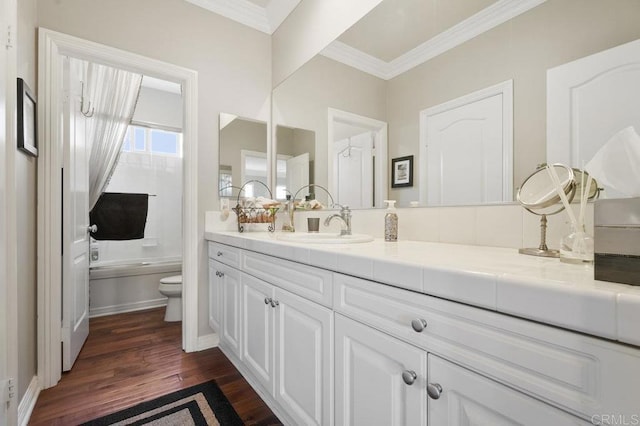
(117, 287)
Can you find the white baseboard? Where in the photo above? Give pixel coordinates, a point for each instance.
(28, 402)
(126, 307)
(208, 341)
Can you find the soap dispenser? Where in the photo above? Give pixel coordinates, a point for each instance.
(391, 222)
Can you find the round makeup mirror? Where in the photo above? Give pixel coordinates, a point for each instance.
(538, 195)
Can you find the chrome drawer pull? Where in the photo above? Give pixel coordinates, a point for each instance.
(274, 303)
(267, 300)
(418, 324)
(434, 390)
(219, 253)
(409, 377)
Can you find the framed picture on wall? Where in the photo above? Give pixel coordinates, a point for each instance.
(27, 129)
(402, 172)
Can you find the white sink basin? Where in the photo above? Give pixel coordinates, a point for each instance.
(323, 238)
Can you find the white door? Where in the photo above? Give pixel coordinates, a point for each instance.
(470, 399)
(304, 333)
(353, 170)
(230, 333)
(215, 295)
(369, 386)
(297, 172)
(75, 219)
(257, 329)
(466, 149)
(590, 100)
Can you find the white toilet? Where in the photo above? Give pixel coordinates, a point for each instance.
(172, 288)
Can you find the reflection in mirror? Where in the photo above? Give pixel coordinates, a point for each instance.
(242, 157)
(296, 150)
(407, 56)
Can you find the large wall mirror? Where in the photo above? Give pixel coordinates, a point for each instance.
(461, 85)
(242, 157)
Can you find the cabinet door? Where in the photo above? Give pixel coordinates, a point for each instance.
(215, 295)
(369, 385)
(230, 336)
(304, 336)
(257, 329)
(470, 399)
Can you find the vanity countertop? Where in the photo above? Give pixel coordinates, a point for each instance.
(499, 279)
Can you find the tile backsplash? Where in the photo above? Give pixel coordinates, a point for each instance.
(507, 225)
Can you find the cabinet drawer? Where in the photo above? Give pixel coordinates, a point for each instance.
(306, 281)
(581, 374)
(226, 254)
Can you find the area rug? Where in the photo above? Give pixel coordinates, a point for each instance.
(204, 404)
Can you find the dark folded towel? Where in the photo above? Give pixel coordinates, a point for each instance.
(120, 216)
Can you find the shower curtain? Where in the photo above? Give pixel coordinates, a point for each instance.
(113, 94)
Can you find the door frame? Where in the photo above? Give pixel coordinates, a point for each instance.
(381, 150)
(506, 90)
(52, 46)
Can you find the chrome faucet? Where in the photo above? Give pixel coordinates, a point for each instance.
(345, 219)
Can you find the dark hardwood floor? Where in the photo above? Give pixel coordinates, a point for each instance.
(135, 357)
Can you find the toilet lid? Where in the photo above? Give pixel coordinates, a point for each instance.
(176, 279)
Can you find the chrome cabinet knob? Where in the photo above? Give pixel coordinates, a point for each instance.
(221, 274)
(418, 324)
(409, 376)
(92, 229)
(274, 303)
(219, 253)
(434, 390)
(267, 300)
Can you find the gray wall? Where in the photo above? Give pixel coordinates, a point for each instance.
(26, 198)
(233, 64)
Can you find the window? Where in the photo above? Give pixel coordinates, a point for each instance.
(152, 140)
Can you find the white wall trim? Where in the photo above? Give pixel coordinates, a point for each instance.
(483, 21)
(127, 307)
(381, 149)
(208, 341)
(28, 402)
(264, 19)
(51, 46)
(506, 90)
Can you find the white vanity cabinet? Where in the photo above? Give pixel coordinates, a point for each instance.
(323, 347)
(280, 341)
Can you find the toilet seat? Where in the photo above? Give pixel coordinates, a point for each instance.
(176, 279)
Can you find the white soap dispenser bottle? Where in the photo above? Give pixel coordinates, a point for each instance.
(391, 222)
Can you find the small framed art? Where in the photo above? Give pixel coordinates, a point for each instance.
(402, 172)
(27, 120)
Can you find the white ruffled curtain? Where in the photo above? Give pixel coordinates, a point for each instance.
(113, 94)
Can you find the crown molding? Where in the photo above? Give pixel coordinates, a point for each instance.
(483, 21)
(341, 52)
(266, 20)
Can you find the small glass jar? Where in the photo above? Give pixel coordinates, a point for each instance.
(577, 247)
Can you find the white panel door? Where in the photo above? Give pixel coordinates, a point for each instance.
(215, 295)
(304, 336)
(353, 170)
(369, 386)
(297, 172)
(466, 152)
(75, 217)
(257, 329)
(469, 399)
(231, 293)
(590, 100)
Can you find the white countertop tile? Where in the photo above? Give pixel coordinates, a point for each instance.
(500, 279)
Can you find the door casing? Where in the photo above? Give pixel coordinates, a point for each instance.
(52, 47)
